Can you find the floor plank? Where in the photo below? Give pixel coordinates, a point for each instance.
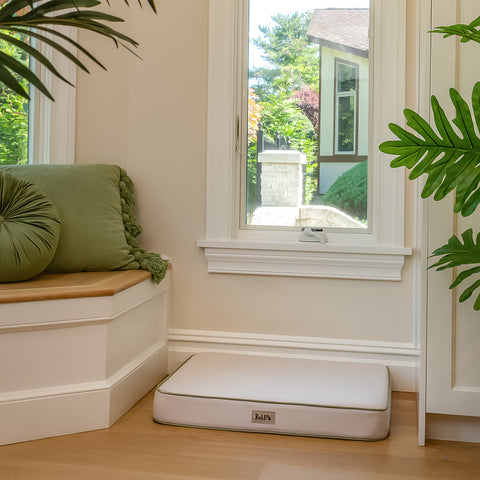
(137, 448)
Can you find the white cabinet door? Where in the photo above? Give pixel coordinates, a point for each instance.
(453, 328)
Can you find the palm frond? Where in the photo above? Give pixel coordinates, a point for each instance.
(450, 160)
(27, 48)
(456, 254)
(465, 32)
(39, 21)
(51, 42)
(18, 67)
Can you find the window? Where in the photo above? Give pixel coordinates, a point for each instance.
(346, 94)
(40, 131)
(231, 245)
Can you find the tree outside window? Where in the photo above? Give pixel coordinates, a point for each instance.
(14, 116)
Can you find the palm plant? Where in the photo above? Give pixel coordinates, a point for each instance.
(451, 161)
(21, 20)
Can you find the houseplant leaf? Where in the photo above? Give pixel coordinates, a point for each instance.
(39, 20)
(449, 158)
(455, 254)
(465, 32)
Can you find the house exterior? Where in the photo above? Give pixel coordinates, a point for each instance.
(342, 36)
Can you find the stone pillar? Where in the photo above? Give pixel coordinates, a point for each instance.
(282, 177)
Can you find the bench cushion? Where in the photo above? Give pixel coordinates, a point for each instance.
(29, 229)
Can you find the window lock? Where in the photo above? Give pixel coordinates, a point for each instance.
(311, 234)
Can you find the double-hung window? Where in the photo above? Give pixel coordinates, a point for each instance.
(287, 227)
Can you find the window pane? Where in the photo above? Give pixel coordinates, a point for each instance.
(346, 78)
(346, 124)
(14, 115)
(307, 114)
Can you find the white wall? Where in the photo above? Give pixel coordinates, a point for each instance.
(150, 117)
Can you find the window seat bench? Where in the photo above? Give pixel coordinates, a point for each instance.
(77, 350)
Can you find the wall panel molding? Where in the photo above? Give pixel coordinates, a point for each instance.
(401, 358)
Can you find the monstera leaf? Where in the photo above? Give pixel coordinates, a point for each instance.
(450, 159)
(465, 32)
(455, 253)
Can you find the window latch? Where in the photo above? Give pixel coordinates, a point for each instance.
(310, 234)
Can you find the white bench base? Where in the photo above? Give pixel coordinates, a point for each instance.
(75, 364)
(277, 395)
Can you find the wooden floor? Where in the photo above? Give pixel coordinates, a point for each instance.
(137, 448)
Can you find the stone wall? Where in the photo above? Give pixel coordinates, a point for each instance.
(282, 177)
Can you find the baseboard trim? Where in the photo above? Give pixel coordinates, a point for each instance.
(60, 410)
(401, 358)
(452, 428)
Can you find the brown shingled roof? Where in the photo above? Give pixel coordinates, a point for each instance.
(341, 28)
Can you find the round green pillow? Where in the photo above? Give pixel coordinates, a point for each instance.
(29, 229)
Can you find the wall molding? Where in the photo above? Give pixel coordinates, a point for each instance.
(87, 387)
(454, 428)
(300, 260)
(79, 407)
(401, 358)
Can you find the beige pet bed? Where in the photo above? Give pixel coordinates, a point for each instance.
(277, 395)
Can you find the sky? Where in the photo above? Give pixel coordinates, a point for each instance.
(261, 12)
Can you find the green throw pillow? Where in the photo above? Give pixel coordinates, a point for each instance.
(29, 229)
(99, 230)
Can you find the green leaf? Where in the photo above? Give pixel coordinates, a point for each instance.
(35, 54)
(450, 160)
(26, 17)
(58, 47)
(455, 254)
(11, 82)
(20, 69)
(465, 32)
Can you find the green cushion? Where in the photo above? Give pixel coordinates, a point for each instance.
(29, 229)
(95, 203)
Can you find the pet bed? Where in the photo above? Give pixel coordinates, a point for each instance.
(277, 395)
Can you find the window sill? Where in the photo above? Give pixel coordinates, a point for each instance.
(304, 259)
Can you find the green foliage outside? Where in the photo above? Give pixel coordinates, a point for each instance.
(349, 192)
(292, 66)
(13, 116)
(292, 59)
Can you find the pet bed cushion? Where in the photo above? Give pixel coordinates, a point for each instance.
(29, 229)
(277, 395)
(99, 230)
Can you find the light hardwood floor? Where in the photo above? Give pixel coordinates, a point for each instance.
(137, 448)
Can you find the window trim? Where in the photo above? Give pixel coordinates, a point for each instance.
(54, 122)
(377, 253)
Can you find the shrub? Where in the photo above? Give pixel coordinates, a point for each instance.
(349, 192)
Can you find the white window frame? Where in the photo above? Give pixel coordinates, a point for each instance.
(53, 133)
(376, 253)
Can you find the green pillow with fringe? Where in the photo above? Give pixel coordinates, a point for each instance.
(99, 229)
